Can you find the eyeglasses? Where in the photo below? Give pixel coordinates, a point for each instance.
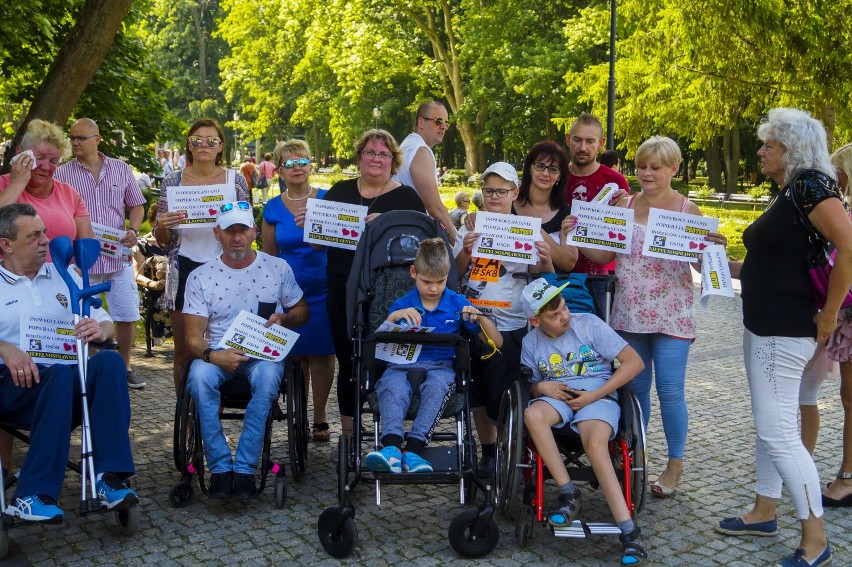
(438, 121)
(384, 156)
(241, 205)
(490, 192)
(197, 141)
(551, 169)
(291, 163)
(81, 138)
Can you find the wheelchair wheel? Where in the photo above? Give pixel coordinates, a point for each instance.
(181, 494)
(128, 521)
(339, 543)
(510, 444)
(280, 491)
(463, 540)
(342, 468)
(184, 417)
(296, 421)
(638, 451)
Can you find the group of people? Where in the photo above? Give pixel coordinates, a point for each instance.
(214, 273)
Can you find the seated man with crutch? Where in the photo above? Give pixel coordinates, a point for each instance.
(46, 398)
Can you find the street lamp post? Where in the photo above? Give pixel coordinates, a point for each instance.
(236, 138)
(377, 112)
(610, 110)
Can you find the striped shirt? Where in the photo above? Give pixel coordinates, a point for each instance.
(107, 199)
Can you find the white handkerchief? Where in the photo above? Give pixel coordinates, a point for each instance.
(21, 155)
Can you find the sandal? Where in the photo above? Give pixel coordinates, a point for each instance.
(321, 432)
(660, 490)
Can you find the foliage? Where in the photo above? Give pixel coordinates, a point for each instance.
(759, 191)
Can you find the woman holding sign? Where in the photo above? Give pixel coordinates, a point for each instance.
(282, 238)
(379, 157)
(783, 324)
(191, 246)
(652, 309)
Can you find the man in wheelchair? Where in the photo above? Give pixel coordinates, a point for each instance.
(430, 304)
(241, 279)
(45, 398)
(572, 383)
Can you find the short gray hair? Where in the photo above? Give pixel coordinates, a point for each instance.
(9, 216)
(802, 136)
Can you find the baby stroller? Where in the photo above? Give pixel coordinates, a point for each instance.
(379, 276)
(154, 317)
(521, 473)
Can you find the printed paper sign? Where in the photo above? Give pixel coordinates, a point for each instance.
(715, 273)
(677, 236)
(601, 227)
(507, 237)
(110, 239)
(603, 197)
(330, 223)
(199, 204)
(399, 353)
(249, 334)
(49, 339)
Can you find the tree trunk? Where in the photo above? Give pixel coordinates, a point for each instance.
(731, 153)
(78, 59)
(827, 114)
(198, 20)
(714, 166)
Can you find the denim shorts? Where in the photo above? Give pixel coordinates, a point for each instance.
(605, 409)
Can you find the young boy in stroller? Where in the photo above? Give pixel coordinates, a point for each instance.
(572, 383)
(430, 304)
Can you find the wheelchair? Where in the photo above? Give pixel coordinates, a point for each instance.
(521, 474)
(235, 396)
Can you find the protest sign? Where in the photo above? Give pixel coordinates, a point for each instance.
(329, 223)
(248, 333)
(677, 236)
(601, 227)
(110, 239)
(198, 203)
(49, 339)
(715, 273)
(506, 237)
(400, 353)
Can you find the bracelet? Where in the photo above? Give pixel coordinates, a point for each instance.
(136, 232)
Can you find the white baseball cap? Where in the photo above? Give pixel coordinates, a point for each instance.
(537, 294)
(504, 170)
(238, 212)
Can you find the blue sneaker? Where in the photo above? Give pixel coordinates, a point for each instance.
(798, 559)
(412, 462)
(114, 494)
(36, 508)
(389, 459)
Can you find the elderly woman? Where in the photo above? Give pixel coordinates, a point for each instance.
(782, 323)
(189, 248)
(282, 238)
(58, 204)
(457, 215)
(379, 157)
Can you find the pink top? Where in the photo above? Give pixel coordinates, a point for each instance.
(58, 211)
(652, 295)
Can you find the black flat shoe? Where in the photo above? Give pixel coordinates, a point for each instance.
(845, 502)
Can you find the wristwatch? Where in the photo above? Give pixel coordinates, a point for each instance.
(136, 232)
(205, 356)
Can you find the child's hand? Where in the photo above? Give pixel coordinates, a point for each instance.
(468, 241)
(409, 315)
(556, 390)
(582, 399)
(470, 313)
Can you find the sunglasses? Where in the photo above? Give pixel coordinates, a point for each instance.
(291, 163)
(198, 141)
(241, 205)
(438, 121)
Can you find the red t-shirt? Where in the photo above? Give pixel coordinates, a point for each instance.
(586, 188)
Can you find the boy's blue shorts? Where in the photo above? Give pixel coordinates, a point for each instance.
(605, 409)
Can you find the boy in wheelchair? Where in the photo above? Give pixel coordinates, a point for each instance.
(430, 304)
(570, 357)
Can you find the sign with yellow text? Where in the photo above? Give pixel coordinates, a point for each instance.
(506, 237)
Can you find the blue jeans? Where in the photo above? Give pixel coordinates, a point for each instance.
(205, 379)
(665, 358)
(394, 392)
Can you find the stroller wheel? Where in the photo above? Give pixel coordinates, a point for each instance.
(465, 542)
(280, 492)
(524, 532)
(339, 543)
(128, 520)
(181, 494)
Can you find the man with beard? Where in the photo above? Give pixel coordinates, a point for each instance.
(586, 177)
(241, 279)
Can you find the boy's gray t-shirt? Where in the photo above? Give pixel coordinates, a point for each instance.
(580, 358)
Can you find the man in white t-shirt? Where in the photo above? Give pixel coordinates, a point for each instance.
(419, 167)
(241, 279)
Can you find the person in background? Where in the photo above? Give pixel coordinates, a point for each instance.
(248, 170)
(611, 159)
(457, 215)
(265, 173)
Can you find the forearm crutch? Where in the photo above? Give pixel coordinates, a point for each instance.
(85, 251)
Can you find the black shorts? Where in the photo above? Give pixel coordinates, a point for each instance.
(493, 376)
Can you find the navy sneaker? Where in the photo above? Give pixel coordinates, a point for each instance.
(37, 508)
(736, 527)
(798, 559)
(114, 494)
(389, 459)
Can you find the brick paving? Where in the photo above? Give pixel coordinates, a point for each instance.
(411, 526)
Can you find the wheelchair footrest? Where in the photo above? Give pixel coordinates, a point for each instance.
(581, 530)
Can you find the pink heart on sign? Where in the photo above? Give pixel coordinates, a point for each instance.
(354, 233)
(345, 232)
(612, 234)
(621, 236)
(266, 349)
(518, 245)
(212, 212)
(67, 346)
(702, 246)
(112, 246)
(275, 353)
(693, 245)
(527, 246)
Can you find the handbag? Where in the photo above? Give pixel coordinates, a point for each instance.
(262, 182)
(822, 255)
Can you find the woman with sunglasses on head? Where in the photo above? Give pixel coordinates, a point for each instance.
(189, 248)
(282, 238)
(379, 157)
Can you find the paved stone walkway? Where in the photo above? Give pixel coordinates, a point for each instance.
(411, 526)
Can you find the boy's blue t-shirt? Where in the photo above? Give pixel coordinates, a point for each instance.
(444, 318)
